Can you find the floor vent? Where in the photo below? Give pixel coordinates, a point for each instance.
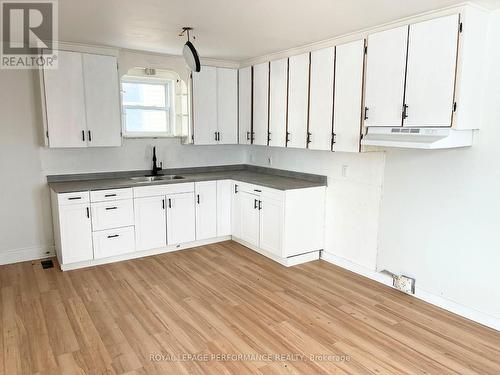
(47, 264)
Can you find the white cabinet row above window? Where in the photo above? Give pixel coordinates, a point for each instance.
(215, 106)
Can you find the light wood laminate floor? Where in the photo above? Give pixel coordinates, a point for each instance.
(150, 315)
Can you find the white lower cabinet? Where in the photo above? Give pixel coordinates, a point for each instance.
(113, 242)
(224, 193)
(104, 226)
(249, 218)
(271, 225)
(75, 230)
(287, 226)
(150, 223)
(206, 209)
(235, 210)
(180, 218)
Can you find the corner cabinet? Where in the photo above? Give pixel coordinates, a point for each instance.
(81, 101)
(215, 106)
(287, 226)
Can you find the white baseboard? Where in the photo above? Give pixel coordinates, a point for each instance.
(26, 254)
(287, 262)
(451, 306)
(142, 254)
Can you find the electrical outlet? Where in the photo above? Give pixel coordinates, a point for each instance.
(404, 283)
(345, 169)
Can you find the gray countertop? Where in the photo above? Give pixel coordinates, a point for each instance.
(267, 177)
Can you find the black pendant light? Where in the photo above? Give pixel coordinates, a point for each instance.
(189, 52)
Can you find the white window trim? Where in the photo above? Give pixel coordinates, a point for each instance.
(170, 133)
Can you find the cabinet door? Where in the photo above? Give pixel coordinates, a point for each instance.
(271, 226)
(298, 99)
(150, 223)
(278, 77)
(321, 99)
(385, 77)
(430, 76)
(235, 211)
(349, 60)
(76, 233)
(205, 105)
(180, 218)
(102, 100)
(260, 103)
(227, 105)
(65, 102)
(206, 209)
(245, 105)
(224, 193)
(250, 218)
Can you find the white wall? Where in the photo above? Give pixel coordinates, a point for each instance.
(353, 201)
(25, 215)
(440, 215)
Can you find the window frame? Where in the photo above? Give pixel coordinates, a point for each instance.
(169, 86)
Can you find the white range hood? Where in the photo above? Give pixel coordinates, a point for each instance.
(422, 138)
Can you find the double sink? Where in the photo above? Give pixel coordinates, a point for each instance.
(165, 177)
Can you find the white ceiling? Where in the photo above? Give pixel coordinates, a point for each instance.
(227, 29)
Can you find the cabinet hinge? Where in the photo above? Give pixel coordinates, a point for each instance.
(47, 133)
(460, 27)
(366, 50)
(454, 106)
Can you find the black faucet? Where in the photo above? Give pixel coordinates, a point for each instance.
(156, 168)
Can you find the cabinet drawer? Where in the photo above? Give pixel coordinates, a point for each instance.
(108, 243)
(247, 188)
(111, 195)
(272, 194)
(165, 189)
(113, 214)
(73, 198)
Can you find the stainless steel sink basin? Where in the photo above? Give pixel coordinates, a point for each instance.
(144, 179)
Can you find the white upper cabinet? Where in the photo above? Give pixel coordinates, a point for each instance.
(260, 103)
(65, 102)
(102, 100)
(298, 100)
(82, 101)
(348, 96)
(206, 209)
(245, 105)
(205, 106)
(278, 77)
(321, 99)
(431, 69)
(215, 106)
(385, 77)
(227, 106)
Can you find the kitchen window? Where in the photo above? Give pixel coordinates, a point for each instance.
(148, 107)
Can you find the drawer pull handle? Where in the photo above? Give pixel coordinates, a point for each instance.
(111, 208)
(109, 195)
(257, 190)
(114, 236)
(73, 198)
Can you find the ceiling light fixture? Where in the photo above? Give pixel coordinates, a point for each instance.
(189, 52)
